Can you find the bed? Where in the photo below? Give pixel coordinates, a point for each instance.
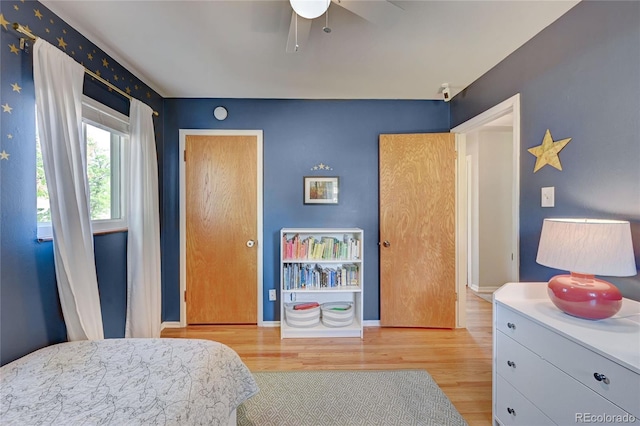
(126, 382)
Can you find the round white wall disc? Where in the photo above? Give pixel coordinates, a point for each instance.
(220, 113)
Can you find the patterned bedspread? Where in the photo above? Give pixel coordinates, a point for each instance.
(125, 382)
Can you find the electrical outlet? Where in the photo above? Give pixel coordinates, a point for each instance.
(272, 295)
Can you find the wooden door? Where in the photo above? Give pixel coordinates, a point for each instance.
(417, 230)
(221, 223)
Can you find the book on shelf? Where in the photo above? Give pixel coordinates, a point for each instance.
(298, 276)
(326, 248)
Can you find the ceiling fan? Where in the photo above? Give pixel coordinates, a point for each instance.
(304, 11)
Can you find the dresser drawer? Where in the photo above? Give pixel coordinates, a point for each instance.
(575, 360)
(514, 409)
(548, 388)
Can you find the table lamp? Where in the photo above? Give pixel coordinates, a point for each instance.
(586, 247)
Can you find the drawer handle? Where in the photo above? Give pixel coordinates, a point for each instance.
(511, 325)
(601, 378)
(511, 364)
(511, 411)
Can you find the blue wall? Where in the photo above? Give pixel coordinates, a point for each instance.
(580, 78)
(30, 314)
(298, 134)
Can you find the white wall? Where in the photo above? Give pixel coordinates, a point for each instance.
(473, 260)
(490, 227)
(495, 199)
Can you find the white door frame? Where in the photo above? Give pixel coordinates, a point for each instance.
(183, 221)
(509, 106)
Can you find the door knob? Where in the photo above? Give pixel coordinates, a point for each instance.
(251, 243)
(386, 244)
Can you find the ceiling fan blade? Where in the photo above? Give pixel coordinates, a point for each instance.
(304, 28)
(376, 11)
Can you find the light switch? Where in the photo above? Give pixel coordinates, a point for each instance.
(548, 196)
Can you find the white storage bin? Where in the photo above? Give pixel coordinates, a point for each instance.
(303, 317)
(337, 314)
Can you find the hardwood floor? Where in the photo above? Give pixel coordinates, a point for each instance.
(458, 360)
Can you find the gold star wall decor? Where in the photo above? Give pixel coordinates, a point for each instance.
(547, 153)
(3, 22)
(4, 155)
(62, 43)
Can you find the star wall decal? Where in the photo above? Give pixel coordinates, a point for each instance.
(105, 63)
(9, 136)
(547, 153)
(37, 13)
(3, 22)
(321, 166)
(13, 48)
(16, 88)
(90, 56)
(4, 155)
(61, 43)
(6, 108)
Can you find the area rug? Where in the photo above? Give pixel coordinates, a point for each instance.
(348, 398)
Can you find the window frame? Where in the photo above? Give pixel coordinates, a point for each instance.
(98, 115)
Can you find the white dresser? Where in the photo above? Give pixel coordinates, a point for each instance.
(551, 368)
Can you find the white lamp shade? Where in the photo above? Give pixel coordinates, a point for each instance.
(587, 246)
(310, 9)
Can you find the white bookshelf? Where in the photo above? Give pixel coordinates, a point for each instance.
(292, 290)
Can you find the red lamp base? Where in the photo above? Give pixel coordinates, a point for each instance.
(584, 296)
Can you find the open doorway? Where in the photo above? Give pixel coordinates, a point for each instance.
(487, 229)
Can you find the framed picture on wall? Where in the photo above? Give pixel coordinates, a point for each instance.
(321, 190)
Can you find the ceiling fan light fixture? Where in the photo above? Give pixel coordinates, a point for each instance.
(310, 9)
(326, 28)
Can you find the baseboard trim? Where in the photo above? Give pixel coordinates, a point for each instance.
(170, 324)
(487, 289)
(366, 323)
(477, 289)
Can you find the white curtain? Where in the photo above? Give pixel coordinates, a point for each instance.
(143, 243)
(58, 85)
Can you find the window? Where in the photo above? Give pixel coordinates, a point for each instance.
(105, 133)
